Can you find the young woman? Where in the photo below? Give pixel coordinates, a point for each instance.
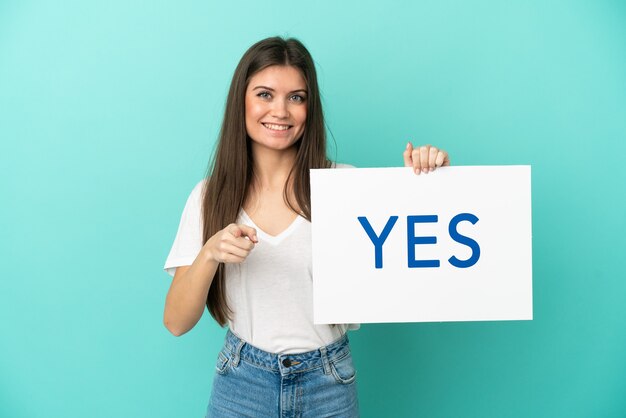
(243, 246)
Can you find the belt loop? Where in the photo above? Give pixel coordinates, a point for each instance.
(237, 351)
(325, 360)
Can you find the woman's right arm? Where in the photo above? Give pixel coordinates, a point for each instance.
(188, 292)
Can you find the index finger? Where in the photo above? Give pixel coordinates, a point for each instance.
(240, 230)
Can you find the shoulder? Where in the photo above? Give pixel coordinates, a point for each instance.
(199, 186)
(195, 196)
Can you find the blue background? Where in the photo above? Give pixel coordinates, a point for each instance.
(109, 111)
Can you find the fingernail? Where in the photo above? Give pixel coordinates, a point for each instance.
(408, 145)
(417, 171)
(425, 170)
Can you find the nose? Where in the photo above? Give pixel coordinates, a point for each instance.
(280, 110)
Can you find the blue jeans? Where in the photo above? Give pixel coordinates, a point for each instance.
(250, 382)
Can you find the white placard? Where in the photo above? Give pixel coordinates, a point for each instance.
(480, 218)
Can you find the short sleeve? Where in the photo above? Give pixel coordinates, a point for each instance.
(347, 327)
(188, 241)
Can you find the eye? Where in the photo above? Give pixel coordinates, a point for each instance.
(298, 99)
(264, 95)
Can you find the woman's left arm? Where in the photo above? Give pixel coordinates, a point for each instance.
(425, 158)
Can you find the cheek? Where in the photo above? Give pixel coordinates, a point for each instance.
(253, 107)
(252, 116)
(301, 115)
(249, 111)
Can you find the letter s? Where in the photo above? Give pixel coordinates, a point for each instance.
(461, 239)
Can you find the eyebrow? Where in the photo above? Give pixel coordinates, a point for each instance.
(271, 89)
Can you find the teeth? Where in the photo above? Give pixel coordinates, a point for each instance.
(276, 127)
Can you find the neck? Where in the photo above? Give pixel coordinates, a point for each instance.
(271, 167)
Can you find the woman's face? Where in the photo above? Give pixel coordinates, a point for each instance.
(276, 105)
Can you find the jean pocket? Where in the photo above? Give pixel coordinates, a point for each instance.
(222, 362)
(343, 370)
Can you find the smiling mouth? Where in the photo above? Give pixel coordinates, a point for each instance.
(276, 127)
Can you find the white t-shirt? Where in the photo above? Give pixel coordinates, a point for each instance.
(271, 292)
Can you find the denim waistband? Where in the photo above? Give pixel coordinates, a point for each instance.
(286, 363)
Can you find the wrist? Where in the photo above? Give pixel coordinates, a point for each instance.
(207, 256)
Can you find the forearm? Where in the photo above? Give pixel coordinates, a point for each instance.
(187, 295)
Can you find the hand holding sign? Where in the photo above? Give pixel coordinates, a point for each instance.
(425, 158)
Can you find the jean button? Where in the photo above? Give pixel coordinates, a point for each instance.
(286, 362)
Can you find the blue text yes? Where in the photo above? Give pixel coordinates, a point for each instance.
(412, 240)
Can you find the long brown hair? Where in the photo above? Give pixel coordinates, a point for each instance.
(231, 171)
